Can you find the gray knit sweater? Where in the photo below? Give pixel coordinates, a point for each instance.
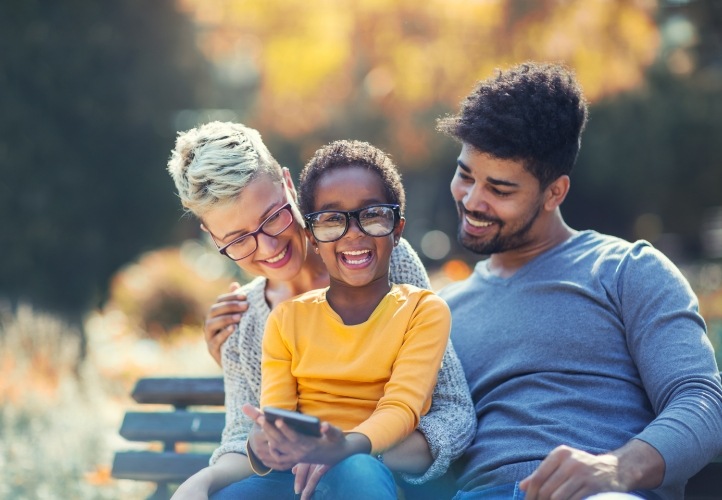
(448, 426)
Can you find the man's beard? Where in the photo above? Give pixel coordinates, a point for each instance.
(499, 242)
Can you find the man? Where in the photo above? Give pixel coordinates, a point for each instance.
(586, 356)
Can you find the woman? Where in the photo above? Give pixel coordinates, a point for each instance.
(226, 176)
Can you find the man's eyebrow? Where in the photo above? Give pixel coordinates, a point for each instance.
(463, 166)
(490, 180)
(501, 182)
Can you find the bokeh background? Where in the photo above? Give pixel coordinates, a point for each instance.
(102, 277)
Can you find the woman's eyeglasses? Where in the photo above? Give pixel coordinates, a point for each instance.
(245, 245)
(374, 220)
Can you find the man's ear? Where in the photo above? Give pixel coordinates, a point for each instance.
(556, 192)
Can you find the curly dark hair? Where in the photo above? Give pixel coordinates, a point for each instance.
(532, 112)
(339, 154)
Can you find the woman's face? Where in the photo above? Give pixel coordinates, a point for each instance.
(278, 257)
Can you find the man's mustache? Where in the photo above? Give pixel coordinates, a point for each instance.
(477, 215)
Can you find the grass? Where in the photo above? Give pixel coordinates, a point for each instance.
(57, 417)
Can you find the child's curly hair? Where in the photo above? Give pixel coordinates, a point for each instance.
(345, 153)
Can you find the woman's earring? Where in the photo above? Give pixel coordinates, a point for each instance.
(315, 249)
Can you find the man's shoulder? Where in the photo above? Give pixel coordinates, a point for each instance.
(604, 245)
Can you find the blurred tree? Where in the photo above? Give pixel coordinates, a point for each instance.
(387, 69)
(88, 92)
(383, 71)
(650, 164)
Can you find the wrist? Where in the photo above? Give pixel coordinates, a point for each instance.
(257, 466)
(640, 466)
(353, 443)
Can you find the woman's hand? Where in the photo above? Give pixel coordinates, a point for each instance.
(307, 477)
(222, 319)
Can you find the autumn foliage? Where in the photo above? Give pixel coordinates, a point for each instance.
(311, 62)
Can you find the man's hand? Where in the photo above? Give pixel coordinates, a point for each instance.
(307, 477)
(222, 319)
(572, 474)
(567, 473)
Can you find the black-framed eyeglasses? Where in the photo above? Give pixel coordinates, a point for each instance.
(374, 220)
(245, 245)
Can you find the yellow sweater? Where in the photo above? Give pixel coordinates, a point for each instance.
(375, 378)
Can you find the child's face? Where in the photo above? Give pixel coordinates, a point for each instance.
(356, 259)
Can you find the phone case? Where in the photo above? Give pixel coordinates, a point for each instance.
(303, 424)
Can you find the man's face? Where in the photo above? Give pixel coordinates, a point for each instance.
(498, 202)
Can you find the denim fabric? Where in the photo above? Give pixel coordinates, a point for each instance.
(511, 491)
(508, 491)
(442, 488)
(359, 477)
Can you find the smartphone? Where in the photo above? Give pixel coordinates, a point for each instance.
(303, 424)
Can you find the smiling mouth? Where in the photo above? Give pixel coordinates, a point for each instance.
(356, 257)
(477, 223)
(278, 257)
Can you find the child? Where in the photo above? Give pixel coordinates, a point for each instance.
(362, 354)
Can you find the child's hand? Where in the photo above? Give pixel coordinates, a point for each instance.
(307, 477)
(257, 438)
(288, 447)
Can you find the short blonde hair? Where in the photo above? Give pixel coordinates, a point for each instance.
(212, 163)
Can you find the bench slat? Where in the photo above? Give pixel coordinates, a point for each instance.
(178, 426)
(160, 467)
(180, 392)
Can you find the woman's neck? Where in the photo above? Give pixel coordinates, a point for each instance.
(313, 275)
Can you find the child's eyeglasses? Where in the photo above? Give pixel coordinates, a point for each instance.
(374, 220)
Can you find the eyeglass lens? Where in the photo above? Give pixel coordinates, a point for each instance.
(273, 226)
(375, 221)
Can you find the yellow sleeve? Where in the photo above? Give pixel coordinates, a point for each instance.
(407, 394)
(278, 385)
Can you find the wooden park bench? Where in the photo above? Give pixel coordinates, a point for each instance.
(191, 421)
(188, 420)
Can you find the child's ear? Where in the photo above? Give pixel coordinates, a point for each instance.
(311, 239)
(398, 230)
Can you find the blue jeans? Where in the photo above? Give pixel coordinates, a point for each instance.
(508, 491)
(511, 491)
(359, 477)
